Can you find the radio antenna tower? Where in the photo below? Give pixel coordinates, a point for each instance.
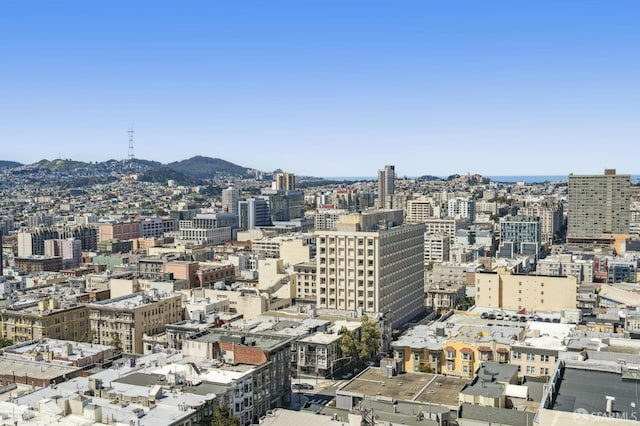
(130, 131)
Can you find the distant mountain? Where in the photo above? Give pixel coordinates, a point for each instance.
(8, 164)
(207, 168)
(164, 174)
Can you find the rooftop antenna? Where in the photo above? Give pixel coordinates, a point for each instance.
(130, 132)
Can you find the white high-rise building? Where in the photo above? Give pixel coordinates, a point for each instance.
(376, 268)
(461, 208)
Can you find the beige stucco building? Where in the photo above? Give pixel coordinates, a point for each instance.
(372, 266)
(127, 318)
(503, 290)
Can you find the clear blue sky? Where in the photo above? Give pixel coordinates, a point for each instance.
(326, 88)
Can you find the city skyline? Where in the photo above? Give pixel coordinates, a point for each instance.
(544, 88)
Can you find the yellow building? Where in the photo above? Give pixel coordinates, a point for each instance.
(503, 290)
(460, 358)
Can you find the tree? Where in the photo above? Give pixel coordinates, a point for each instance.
(348, 343)
(370, 338)
(222, 416)
(117, 343)
(5, 342)
(366, 346)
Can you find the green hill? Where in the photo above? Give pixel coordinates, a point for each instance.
(8, 164)
(207, 168)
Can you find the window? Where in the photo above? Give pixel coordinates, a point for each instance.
(416, 356)
(531, 357)
(531, 369)
(466, 369)
(466, 356)
(450, 366)
(517, 355)
(544, 358)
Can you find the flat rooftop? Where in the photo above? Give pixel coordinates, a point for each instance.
(444, 390)
(41, 370)
(587, 389)
(79, 350)
(421, 387)
(131, 301)
(266, 342)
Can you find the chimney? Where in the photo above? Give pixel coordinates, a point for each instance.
(610, 400)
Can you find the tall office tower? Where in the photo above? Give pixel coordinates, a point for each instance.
(230, 197)
(386, 187)
(520, 235)
(284, 181)
(599, 207)
(284, 205)
(370, 265)
(253, 213)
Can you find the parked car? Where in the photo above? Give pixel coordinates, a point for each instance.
(301, 386)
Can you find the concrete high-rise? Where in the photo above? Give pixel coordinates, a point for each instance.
(284, 181)
(370, 265)
(230, 198)
(599, 207)
(386, 187)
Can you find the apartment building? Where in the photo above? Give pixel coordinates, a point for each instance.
(36, 263)
(444, 226)
(119, 231)
(305, 273)
(369, 266)
(599, 207)
(503, 290)
(551, 217)
(266, 359)
(125, 319)
(436, 248)
(46, 318)
(327, 219)
(520, 235)
(566, 264)
(419, 211)
(156, 227)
